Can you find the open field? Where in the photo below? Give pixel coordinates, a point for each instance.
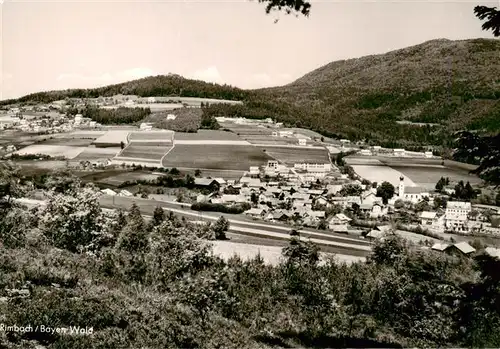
(84, 134)
(219, 157)
(381, 173)
(428, 176)
(73, 142)
(270, 254)
(245, 129)
(52, 150)
(113, 137)
(268, 139)
(163, 135)
(145, 152)
(128, 176)
(293, 155)
(98, 153)
(154, 144)
(153, 106)
(206, 135)
(417, 172)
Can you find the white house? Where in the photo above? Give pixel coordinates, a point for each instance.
(108, 191)
(428, 154)
(254, 171)
(125, 192)
(365, 152)
(171, 117)
(146, 126)
(302, 141)
(456, 215)
(427, 218)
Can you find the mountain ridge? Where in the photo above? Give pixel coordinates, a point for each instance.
(452, 83)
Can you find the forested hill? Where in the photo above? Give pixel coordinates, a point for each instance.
(453, 85)
(161, 85)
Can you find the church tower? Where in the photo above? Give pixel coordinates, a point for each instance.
(401, 192)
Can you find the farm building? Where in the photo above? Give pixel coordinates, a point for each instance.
(313, 167)
(171, 117)
(428, 154)
(254, 171)
(256, 212)
(365, 152)
(375, 235)
(146, 126)
(302, 141)
(460, 249)
(108, 192)
(125, 192)
(493, 252)
(207, 183)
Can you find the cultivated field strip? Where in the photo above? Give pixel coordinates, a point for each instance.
(151, 135)
(212, 142)
(216, 157)
(292, 155)
(205, 135)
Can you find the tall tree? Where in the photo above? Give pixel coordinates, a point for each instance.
(385, 191)
(492, 17)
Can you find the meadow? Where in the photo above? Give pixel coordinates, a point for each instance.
(220, 157)
(97, 153)
(292, 155)
(151, 135)
(113, 137)
(210, 135)
(128, 176)
(271, 255)
(144, 152)
(428, 176)
(382, 173)
(52, 150)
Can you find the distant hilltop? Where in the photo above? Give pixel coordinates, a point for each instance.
(415, 96)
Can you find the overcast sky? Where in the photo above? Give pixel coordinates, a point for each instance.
(59, 45)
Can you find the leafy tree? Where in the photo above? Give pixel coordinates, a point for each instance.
(197, 173)
(389, 251)
(133, 238)
(492, 17)
(351, 190)
(254, 197)
(300, 252)
(158, 216)
(74, 221)
(385, 191)
(220, 227)
(289, 6)
(440, 184)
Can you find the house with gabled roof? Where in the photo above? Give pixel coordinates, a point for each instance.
(461, 249)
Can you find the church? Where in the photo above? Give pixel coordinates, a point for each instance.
(411, 194)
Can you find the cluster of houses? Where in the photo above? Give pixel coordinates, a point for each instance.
(398, 152)
(293, 196)
(43, 122)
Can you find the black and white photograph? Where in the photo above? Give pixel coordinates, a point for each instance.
(249, 174)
